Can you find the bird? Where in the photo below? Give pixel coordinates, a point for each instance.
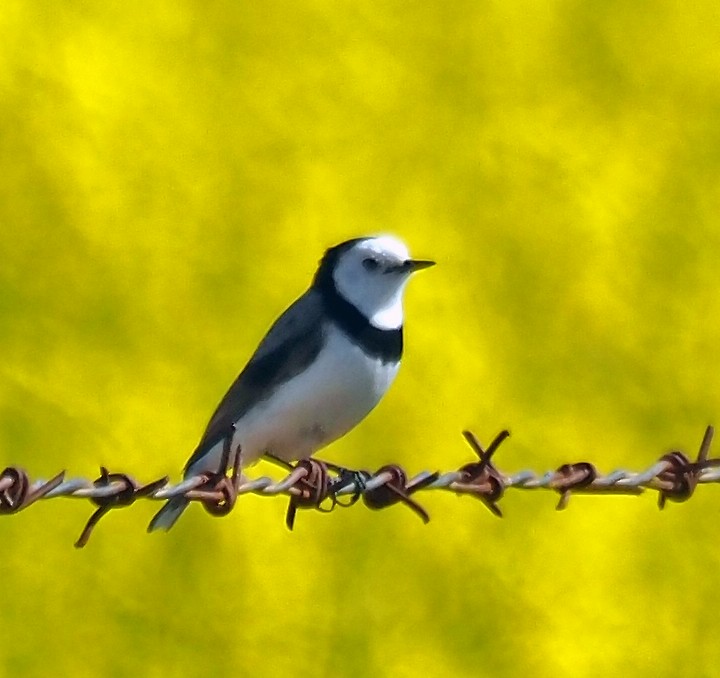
(323, 365)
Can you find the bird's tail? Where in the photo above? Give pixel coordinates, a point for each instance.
(165, 518)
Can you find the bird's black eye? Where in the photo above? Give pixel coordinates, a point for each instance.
(370, 264)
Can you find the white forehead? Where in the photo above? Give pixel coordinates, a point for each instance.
(385, 245)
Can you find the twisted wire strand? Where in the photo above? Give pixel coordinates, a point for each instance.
(319, 485)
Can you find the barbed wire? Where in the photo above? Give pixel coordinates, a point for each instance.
(314, 484)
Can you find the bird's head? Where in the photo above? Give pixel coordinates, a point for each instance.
(371, 274)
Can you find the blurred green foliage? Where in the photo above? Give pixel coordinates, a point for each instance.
(171, 172)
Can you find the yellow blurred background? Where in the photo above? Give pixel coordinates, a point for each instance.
(172, 171)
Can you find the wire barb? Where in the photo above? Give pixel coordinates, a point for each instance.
(481, 478)
(16, 492)
(396, 488)
(125, 492)
(679, 480)
(311, 484)
(312, 479)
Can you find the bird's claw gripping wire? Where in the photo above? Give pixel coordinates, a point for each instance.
(314, 485)
(346, 478)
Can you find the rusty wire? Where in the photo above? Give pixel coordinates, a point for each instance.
(313, 484)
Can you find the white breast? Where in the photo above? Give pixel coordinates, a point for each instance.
(312, 409)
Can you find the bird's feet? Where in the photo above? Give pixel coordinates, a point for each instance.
(321, 481)
(347, 482)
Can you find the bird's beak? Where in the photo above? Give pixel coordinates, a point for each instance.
(410, 266)
(413, 265)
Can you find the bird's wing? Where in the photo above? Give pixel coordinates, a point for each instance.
(291, 344)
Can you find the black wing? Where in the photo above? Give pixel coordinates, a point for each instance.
(291, 344)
